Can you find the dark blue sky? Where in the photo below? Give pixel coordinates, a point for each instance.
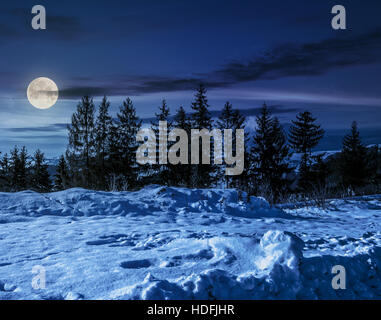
(281, 52)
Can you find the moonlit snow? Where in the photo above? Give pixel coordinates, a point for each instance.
(174, 243)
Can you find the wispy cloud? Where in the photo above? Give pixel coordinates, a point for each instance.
(297, 97)
(309, 59)
(288, 60)
(55, 127)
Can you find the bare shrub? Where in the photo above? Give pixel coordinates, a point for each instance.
(117, 183)
(319, 195)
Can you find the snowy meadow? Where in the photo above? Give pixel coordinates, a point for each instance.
(178, 243)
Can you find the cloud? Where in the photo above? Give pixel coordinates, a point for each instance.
(292, 60)
(77, 92)
(53, 137)
(297, 97)
(287, 60)
(48, 128)
(174, 84)
(309, 59)
(134, 86)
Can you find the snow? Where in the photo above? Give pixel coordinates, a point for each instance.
(177, 243)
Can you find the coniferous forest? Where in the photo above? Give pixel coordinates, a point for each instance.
(101, 155)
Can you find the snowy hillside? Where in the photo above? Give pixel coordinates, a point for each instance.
(173, 243)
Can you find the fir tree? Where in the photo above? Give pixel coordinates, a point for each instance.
(182, 121)
(102, 132)
(182, 172)
(319, 173)
(128, 127)
(4, 173)
(40, 178)
(81, 149)
(24, 169)
(62, 178)
(354, 160)
(270, 152)
(201, 117)
(14, 169)
(232, 119)
(19, 163)
(304, 136)
(374, 166)
(261, 151)
(163, 115)
(225, 120)
(281, 167)
(202, 174)
(114, 156)
(162, 172)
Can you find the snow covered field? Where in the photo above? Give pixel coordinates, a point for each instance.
(172, 243)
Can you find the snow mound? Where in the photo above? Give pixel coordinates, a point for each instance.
(279, 271)
(151, 199)
(277, 247)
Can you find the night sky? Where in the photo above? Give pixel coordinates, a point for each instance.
(282, 52)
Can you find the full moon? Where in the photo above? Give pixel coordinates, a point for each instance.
(42, 93)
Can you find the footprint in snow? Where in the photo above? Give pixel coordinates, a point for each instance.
(7, 287)
(136, 264)
(176, 261)
(3, 264)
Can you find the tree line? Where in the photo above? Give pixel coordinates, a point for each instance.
(21, 171)
(101, 155)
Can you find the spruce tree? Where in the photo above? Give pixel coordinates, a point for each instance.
(202, 174)
(114, 156)
(374, 166)
(182, 121)
(14, 169)
(354, 160)
(304, 135)
(261, 151)
(201, 117)
(24, 173)
(162, 172)
(62, 178)
(40, 178)
(102, 132)
(81, 149)
(269, 155)
(163, 115)
(225, 120)
(232, 119)
(182, 172)
(19, 169)
(128, 127)
(4, 173)
(281, 164)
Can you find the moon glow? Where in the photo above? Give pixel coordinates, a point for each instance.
(42, 93)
